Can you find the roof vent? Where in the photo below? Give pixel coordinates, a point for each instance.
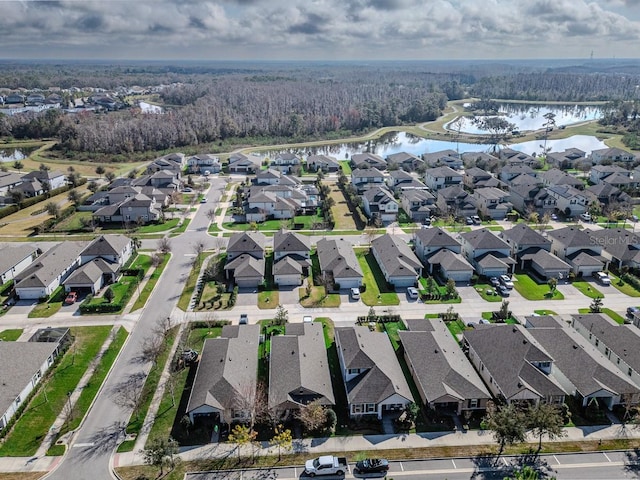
(435, 351)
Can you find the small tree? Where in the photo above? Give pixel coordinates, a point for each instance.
(110, 176)
(164, 245)
(371, 315)
(504, 312)
(100, 170)
(18, 165)
(282, 439)
(451, 288)
(313, 416)
(242, 435)
(282, 315)
(74, 197)
(596, 305)
(52, 209)
(109, 295)
(508, 424)
(92, 186)
(160, 452)
(546, 419)
(553, 285)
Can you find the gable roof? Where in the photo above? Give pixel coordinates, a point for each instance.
(442, 171)
(507, 353)
(298, 367)
(50, 265)
(450, 261)
(546, 260)
(484, 239)
(111, 244)
(396, 256)
(13, 255)
(372, 351)
(523, 234)
(439, 365)
(290, 242)
(435, 237)
(336, 256)
(228, 368)
(571, 237)
(246, 266)
(246, 242)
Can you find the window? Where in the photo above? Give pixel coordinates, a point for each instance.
(18, 400)
(473, 403)
(606, 351)
(370, 408)
(490, 379)
(353, 371)
(618, 361)
(356, 408)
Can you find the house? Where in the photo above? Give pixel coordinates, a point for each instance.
(400, 180)
(455, 201)
(398, 263)
(263, 204)
(224, 386)
(553, 176)
(15, 260)
(372, 376)
(612, 155)
(114, 248)
(569, 200)
(291, 258)
(570, 158)
(405, 161)
(480, 160)
(489, 254)
(514, 368)
(337, 259)
(576, 248)
(521, 238)
(475, 177)
(174, 162)
(285, 162)
(418, 204)
(442, 373)
(368, 160)
(620, 344)
(53, 178)
(620, 247)
(511, 171)
(450, 265)
(427, 241)
(49, 271)
(445, 158)
(274, 177)
(441, 252)
(364, 179)
(139, 208)
(579, 367)
(532, 198)
(299, 369)
(441, 177)
(203, 163)
(599, 172)
(9, 181)
(244, 164)
(545, 264)
(605, 194)
(492, 202)
(323, 163)
(23, 366)
(379, 203)
(514, 157)
(245, 258)
(621, 181)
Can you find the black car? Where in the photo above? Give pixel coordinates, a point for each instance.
(372, 465)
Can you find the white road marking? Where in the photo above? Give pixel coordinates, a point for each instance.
(505, 461)
(606, 456)
(401, 467)
(82, 445)
(556, 459)
(454, 464)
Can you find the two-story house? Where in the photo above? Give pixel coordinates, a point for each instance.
(441, 177)
(569, 200)
(379, 203)
(612, 154)
(405, 161)
(569, 158)
(324, 163)
(203, 162)
(532, 198)
(577, 249)
(620, 247)
(245, 258)
(244, 164)
(455, 201)
(489, 254)
(441, 252)
(365, 178)
(553, 176)
(599, 172)
(511, 171)
(445, 158)
(492, 202)
(399, 180)
(368, 160)
(418, 204)
(285, 162)
(291, 258)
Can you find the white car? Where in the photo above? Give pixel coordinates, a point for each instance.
(412, 292)
(506, 281)
(603, 278)
(355, 293)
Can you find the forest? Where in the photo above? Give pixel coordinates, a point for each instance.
(240, 102)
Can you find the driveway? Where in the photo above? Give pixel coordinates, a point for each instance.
(247, 297)
(23, 307)
(289, 295)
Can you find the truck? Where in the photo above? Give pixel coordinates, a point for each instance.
(326, 465)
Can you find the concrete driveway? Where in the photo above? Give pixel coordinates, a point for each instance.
(289, 295)
(247, 297)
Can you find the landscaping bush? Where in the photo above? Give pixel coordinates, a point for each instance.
(378, 318)
(631, 280)
(8, 210)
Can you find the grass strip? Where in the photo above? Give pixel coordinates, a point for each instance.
(151, 283)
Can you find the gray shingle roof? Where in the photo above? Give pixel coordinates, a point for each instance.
(228, 368)
(372, 351)
(450, 261)
(336, 256)
(298, 367)
(522, 234)
(107, 245)
(571, 237)
(436, 237)
(50, 265)
(246, 242)
(291, 242)
(11, 256)
(484, 239)
(439, 364)
(546, 260)
(246, 266)
(396, 256)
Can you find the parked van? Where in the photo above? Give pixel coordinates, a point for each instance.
(603, 278)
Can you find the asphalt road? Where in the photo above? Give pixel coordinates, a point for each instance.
(103, 428)
(583, 466)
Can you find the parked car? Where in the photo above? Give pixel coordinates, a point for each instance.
(585, 217)
(187, 190)
(476, 220)
(412, 292)
(603, 278)
(189, 356)
(244, 319)
(307, 319)
(326, 465)
(469, 221)
(372, 465)
(355, 293)
(203, 200)
(503, 290)
(632, 310)
(494, 281)
(72, 297)
(554, 216)
(506, 281)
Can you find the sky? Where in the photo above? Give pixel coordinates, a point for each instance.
(318, 29)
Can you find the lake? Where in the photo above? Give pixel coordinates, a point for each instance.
(396, 142)
(149, 108)
(527, 117)
(13, 154)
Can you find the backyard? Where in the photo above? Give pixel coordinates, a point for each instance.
(341, 212)
(377, 292)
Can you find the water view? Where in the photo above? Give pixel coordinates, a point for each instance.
(404, 142)
(149, 108)
(13, 154)
(528, 117)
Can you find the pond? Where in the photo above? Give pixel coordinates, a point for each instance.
(13, 154)
(528, 117)
(149, 108)
(396, 142)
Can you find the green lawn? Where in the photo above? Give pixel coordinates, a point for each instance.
(10, 335)
(268, 299)
(318, 298)
(483, 288)
(437, 288)
(624, 287)
(545, 312)
(151, 283)
(346, 167)
(30, 429)
(160, 227)
(377, 292)
(587, 289)
(456, 328)
(190, 285)
(531, 290)
(51, 306)
(607, 311)
(182, 228)
(392, 329)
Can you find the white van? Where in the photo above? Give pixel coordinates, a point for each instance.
(603, 278)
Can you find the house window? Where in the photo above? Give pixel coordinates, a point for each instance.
(590, 336)
(353, 371)
(370, 408)
(618, 361)
(473, 403)
(490, 379)
(356, 408)
(606, 351)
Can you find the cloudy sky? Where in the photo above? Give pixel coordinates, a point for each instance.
(319, 29)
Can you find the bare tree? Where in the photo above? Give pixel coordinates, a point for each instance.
(156, 259)
(211, 214)
(128, 393)
(151, 349)
(164, 245)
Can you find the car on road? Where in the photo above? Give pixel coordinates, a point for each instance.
(631, 311)
(355, 293)
(412, 292)
(503, 290)
(203, 200)
(506, 281)
(244, 319)
(71, 298)
(372, 465)
(494, 281)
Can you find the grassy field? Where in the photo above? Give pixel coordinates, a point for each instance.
(341, 213)
(529, 289)
(376, 293)
(190, 285)
(30, 429)
(587, 289)
(268, 299)
(318, 298)
(624, 287)
(10, 335)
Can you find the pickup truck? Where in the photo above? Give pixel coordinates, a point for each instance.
(326, 465)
